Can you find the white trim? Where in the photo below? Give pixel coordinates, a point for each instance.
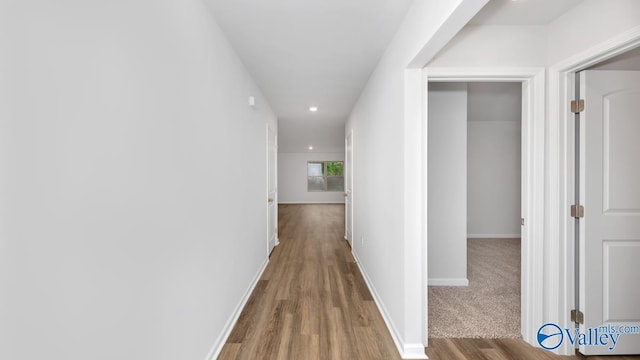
(424, 136)
(448, 282)
(222, 338)
(414, 351)
(617, 45)
(415, 278)
(312, 151)
(533, 129)
(348, 180)
(493, 236)
(415, 167)
(463, 13)
(276, 241)
(560, 170)
(268, 127)
(406, 351)
(309, 202)
(470, 74)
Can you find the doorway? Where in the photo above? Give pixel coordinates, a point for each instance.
(348, 189)
(606, 206)
(533, 110)
(272, 189)
(474, 205)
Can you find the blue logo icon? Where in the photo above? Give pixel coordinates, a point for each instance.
(550, 336)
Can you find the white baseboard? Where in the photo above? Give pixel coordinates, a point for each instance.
(448, 282)
(493, 236)
(406, 351)
(219, 343)
(309, 202)
(414, 351)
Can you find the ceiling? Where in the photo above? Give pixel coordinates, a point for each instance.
(522, 12)
(310, 53)
(296, 137)
(321, 53)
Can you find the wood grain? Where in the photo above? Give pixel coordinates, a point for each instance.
(498, 349)
(311, 302)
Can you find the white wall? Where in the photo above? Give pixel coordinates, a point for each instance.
(563, 41)
(447, 184)
(388, 249)
(294, 138)
(494, 46)
(474, 168)
(603, 25)
(297, 136)
(493, 160)
(131, 167)
(521, 46)
(599, 22)
(292, 179)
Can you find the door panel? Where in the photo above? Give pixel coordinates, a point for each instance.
(621, 171)
(621, 300)
(272, 189)
(348, 189)
(610, 230)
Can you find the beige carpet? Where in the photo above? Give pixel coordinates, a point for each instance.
(490, 306)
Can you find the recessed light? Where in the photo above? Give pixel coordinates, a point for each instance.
(313, 108)
(310, 147)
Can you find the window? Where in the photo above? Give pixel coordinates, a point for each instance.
(325, 176)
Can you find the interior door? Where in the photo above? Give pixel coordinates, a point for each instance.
(272, 188)
(348, 189)
(609, 232)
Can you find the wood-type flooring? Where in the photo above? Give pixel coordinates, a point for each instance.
(312, 303)
(499, 349)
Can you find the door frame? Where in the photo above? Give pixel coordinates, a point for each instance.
(348, 179)
(561, 176)
(269, 129)
(533, 138)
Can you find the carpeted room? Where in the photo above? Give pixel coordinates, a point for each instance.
(474, 170)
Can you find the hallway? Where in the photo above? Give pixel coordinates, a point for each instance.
(311, 302)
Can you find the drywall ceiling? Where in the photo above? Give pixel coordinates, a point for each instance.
(297, 136)
(321, 53)
(310, 53)
(522, 12)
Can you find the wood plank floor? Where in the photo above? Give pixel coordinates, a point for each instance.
(311, 302)
(499, 349)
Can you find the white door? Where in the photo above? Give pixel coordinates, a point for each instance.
(609, 240)
(348, 189)
(272, 189)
